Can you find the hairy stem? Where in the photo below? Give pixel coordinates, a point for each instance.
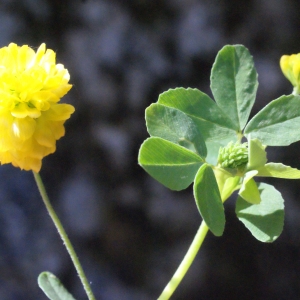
(64, 236)
(186, 263)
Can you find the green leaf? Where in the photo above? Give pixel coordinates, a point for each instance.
(221, 176)
(231, 184)
(264, 220)
(52, 287)
(175, 126)
(213, 149)
(257, 154)
(234, 83)
(208, 199)
(249, 190)
(277, 123)
(211, 121)
(278, 170)
(172, 165)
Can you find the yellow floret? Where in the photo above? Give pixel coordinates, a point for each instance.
(290, 66)
(31, 119)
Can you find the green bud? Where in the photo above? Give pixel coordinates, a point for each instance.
(233, 156)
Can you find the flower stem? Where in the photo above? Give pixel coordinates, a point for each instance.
(64, 236)
(295, 91)
(186, 263)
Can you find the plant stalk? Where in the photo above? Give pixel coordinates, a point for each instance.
(186, 263)
(64, 236)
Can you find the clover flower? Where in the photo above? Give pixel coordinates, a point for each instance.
(290, 66)
(31, 119)
(234, 155)
(241, 177)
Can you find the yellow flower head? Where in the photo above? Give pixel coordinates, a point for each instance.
(31, 120)
(290, 66)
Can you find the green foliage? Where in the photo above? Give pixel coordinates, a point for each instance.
(249, 191)
(276, 124)
(52, 287)
(175, 126)
(234, 83)
(278, 170)
(190, 131)
(172, 165)
(257, 154)
(206, 114)
(264, 220)
(208, 199)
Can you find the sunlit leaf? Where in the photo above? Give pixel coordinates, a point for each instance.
(249, 190)
(277, 123)
(231, 184)
(208, 199)
(257, 154)
(279, 170)
(172, 165)
(175, 126)
(211, 121)
(234, 83)
(264, 220)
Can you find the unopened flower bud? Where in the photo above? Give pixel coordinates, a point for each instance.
(290, 66)
(233, 156)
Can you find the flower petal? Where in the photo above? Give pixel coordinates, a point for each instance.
(23, 128)
(31, 120)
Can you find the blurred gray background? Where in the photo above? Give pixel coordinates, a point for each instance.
(130, 232)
